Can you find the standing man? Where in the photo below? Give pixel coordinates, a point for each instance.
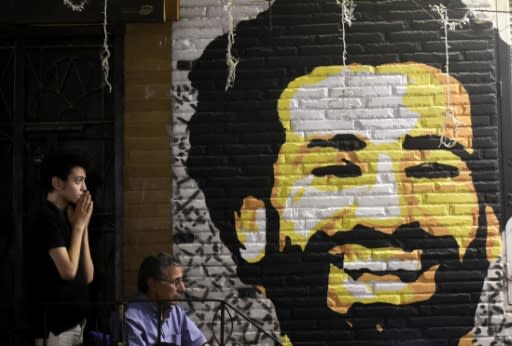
(58, 258)
(154, 317)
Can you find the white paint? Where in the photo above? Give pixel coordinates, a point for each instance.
(359, 114)
(365, 124)
(411, 265)
(484, 12)
(367, 264)
(384, 175)
(366, 197)
(255, 241)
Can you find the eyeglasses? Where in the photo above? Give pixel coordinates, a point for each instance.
(174, 282)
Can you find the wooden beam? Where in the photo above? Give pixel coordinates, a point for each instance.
(172, 10)
(55, 12)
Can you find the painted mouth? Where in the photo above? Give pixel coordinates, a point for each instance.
(405, 265)
(407, 253)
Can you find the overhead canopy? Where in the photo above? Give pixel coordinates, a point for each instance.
(55, 12)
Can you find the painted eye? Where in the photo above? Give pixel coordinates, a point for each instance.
(346, 170)
(341, 142)
(432, 170)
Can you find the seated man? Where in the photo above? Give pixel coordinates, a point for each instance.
(152, 318)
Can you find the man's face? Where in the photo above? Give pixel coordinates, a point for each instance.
(74, 186)
(364, 176)
(170, 287)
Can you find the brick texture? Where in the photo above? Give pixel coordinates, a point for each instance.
(147, 153)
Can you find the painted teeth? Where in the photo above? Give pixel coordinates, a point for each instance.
(359, 257)
(392, 265)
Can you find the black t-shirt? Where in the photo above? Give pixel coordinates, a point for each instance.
(62, 302)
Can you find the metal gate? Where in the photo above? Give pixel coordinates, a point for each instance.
(53, 95)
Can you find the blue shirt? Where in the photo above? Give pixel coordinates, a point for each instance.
(141, 321)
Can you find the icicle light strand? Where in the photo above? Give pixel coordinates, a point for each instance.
(105, 52)
(347, 15)
(77, 7)
(231, 61)
(447, 26)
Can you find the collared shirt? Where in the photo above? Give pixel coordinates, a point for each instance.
(142, 320)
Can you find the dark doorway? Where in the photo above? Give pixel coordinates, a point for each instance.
(53, 95)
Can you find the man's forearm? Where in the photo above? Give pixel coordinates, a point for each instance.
(88, 265)
(66, 260)
(74, 251)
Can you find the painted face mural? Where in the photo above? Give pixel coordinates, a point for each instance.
(375, 185)
(374, 178)
(349, 196)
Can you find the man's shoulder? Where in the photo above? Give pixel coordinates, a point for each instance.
(38, 219)
(138, 306)
(43, 214)
(135, 307)
(46, 228)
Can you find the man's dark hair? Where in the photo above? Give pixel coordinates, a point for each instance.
(154, 267)
(59, 164)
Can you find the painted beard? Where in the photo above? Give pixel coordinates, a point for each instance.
(296, 281)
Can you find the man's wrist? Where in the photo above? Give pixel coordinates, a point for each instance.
(78, 229)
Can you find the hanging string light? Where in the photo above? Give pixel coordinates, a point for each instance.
(231, 61)
(105, 52)
(347, 15)
(447, 26)
(76, 6)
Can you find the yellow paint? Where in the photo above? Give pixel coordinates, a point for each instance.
(285, 341)
(246, 222)
(493, 244)
(261, 290)
(355, 252)
(340, 299)
(467, 340)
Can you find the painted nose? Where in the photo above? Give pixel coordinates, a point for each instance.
(381, 200)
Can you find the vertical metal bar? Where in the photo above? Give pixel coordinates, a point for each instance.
(117, 93)
(223, 306)
(17, 178)
(504, 89)
(45, 324)
(504, 121)
(122, 337)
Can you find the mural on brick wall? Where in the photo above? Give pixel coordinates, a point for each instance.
(340, 204)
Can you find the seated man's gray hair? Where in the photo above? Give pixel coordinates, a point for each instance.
(154, 267)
